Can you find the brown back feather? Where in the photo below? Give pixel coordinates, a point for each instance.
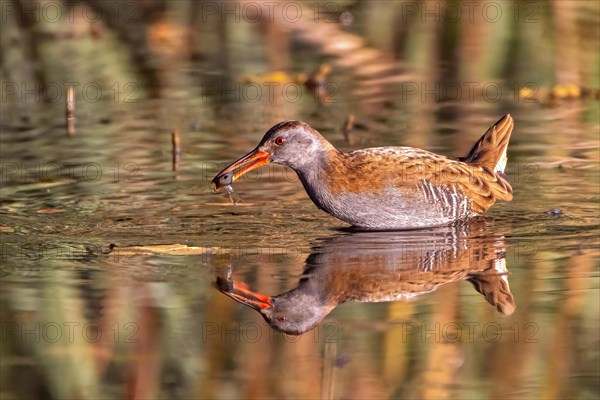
(474, 175)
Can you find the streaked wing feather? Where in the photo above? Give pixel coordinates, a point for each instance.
(375, 169)
(480, 185)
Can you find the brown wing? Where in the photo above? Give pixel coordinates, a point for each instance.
(479, 175)
(374, 170)
(479, 184)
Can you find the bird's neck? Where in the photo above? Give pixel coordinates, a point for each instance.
(316, 175)
(320, 164)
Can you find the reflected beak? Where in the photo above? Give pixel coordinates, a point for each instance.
(240, 293)
(255, 159)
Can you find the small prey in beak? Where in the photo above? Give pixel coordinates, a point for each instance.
(255, 159)
(240, 293)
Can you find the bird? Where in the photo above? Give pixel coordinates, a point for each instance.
(386, 188)
(380, 267)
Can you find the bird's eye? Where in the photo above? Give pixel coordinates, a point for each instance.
(279, 140)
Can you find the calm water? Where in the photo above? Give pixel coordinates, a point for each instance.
(110, 260)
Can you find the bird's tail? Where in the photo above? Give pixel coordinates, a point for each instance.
(490, 150)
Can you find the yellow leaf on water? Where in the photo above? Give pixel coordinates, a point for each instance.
(174, 249)
(229, 204)
(49, 211)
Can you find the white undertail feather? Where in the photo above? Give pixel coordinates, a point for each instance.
(501, 162)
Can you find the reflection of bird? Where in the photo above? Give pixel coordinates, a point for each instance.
(386, 187)
(384, 266)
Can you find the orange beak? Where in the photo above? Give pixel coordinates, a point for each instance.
(255, 159)
(240, 293)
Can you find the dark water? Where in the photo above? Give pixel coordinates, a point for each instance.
(110, 260)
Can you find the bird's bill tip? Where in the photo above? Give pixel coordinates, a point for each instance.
(242, 294)
(251, 161)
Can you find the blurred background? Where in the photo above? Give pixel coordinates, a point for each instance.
(115, 116)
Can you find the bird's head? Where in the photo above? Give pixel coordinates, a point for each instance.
(293, 312)
(291, 143)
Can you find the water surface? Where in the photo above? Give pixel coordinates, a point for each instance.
(110, 259)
